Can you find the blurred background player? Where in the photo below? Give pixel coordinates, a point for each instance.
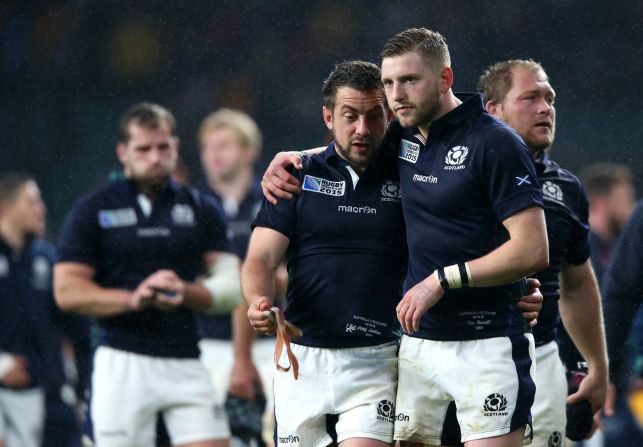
(37, 400)
(623, 293)
(130, 254)
(519, 93)
(230, 143)
(612, 198)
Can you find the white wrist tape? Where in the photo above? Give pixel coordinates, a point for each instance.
(224, 284)
(7, 361)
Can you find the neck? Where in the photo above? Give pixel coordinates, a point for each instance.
(235, 188)
(449, 103)
(14, 237)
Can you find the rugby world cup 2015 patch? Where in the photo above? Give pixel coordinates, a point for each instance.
(409, 151)
(323, 186)
(123, 217)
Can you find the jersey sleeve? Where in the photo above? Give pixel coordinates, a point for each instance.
(283, 216)
(508, 174)
(216, 229)
(79, 236)
(578, 245)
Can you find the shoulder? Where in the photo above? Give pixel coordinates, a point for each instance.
(107, 194)
(44, 248)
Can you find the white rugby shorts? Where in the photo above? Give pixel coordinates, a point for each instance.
(22, 417)
(549, 412)
(489, 380)
(129, 390)
(357, 384)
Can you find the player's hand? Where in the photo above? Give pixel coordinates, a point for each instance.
(610, 401)
(170, 290)
(244, 379)
(17, 376)
(257, 315)
(532, 303)
(417, 301)
(592, 388)
(277, 181)
(142, 297)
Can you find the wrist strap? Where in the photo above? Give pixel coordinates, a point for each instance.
(285, 330)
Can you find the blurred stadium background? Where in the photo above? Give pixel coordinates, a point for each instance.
(70, 68)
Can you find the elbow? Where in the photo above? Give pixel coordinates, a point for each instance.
(539, 260)
(63, 296)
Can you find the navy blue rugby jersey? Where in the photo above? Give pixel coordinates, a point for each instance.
(239, 221)
(347, 253)
(108, 231)
(457, 188)
(567, 214)
(26, 300)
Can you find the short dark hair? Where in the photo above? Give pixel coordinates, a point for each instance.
(359, 75)
(10, 185)
(497, 80)
(431, 45)
(601, 178)
(147, 115)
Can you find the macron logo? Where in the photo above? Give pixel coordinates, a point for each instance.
(425, 178)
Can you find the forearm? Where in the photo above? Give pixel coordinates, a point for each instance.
(257, 280)
(87, 298)
(196, 297)
(243, 334)
(580, 311)
(504, 265)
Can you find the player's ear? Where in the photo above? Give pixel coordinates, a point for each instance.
(328, 117)
(389, 115)
(446, 79)
(120, 152)
(177, 142)
(493, 108)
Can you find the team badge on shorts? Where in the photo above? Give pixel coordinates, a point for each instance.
(555, 439)
(386, 411)
(495, 405)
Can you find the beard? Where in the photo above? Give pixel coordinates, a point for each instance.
(358, 160)
(425, 113)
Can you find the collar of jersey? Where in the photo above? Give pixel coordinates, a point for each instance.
(471, 105)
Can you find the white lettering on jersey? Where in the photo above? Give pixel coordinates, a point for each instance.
(323, 186)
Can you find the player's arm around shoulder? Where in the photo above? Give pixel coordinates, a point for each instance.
(266, 250)
(279, 180)
(76, 291)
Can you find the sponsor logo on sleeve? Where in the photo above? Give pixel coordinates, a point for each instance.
(455, 158)
(552, 191)
(323, 186)
(409, 151)
(123, 217)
